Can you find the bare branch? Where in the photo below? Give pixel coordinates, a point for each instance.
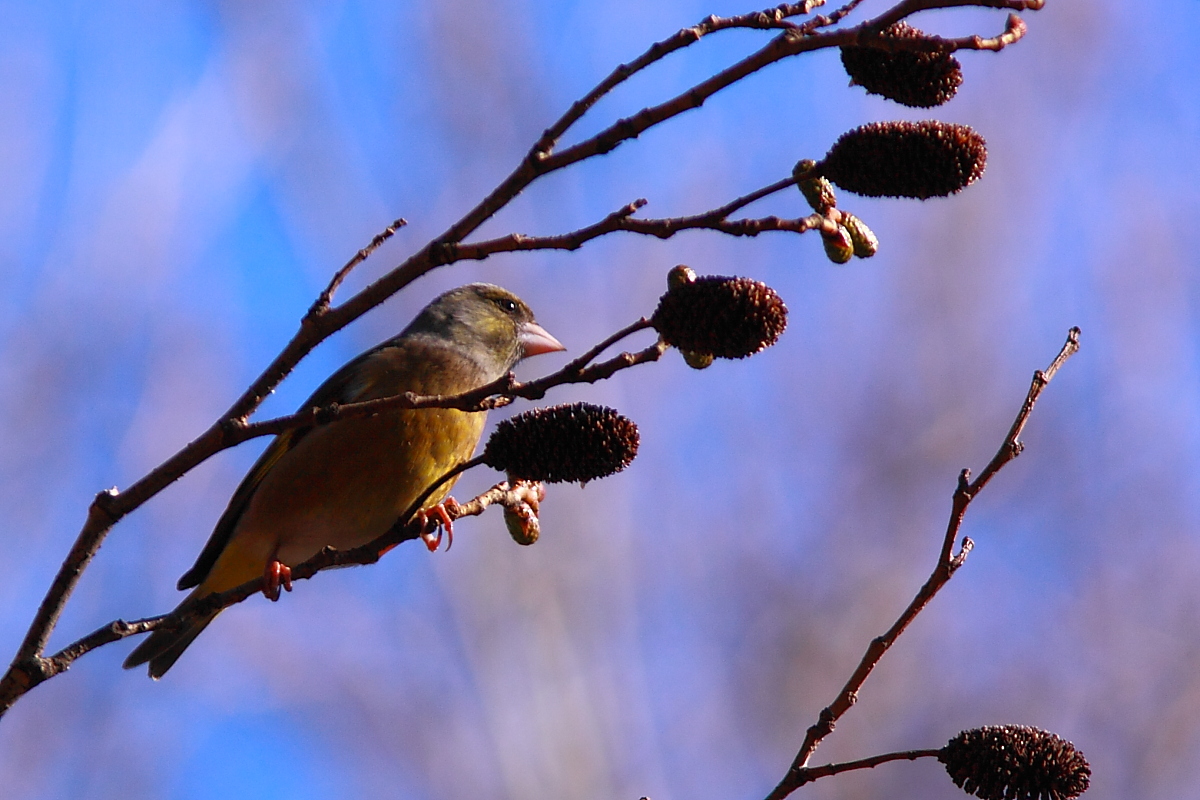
(826, 20)
(813, 773)
(498, 393)
(798, 774)
(910, 7)
(1011, 448)
(26, 673)
(100, 518)
(500, 494)
(623, 220)
(326, 297)
(538, 162)
(771, 18)
(1014, 30)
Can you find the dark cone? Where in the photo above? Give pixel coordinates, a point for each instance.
(919, 79)
(906, 159)
(722, 317)
(576, 442)
(1014, 762)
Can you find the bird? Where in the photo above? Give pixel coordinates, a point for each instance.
(346, 483)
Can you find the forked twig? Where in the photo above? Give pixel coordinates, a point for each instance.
(773, 18)
(326, 297)
(948, 562)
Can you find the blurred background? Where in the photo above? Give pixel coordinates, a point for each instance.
(178, 180)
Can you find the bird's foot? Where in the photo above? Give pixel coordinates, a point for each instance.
(275, 575)
(436, 519)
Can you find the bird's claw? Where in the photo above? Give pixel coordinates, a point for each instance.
(275, 575)
(436, 519)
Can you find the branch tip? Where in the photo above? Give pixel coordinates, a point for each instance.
(944, 568)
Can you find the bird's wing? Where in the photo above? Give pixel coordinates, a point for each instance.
(345, 386)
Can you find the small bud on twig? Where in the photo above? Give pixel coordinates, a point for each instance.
(838, 246)
(521, 504)
(906, 159)
(575, 442)
(721, 317)
(865, 242)
(817, 191)
(680, 275)
(1015, 762)
(522, 524)
(917, 79)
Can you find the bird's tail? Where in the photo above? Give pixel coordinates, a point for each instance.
(164, 646)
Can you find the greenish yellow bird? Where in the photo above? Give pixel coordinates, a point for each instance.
(344, 484)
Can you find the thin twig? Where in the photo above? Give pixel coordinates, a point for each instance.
(771, 18)
(326, 297)
(910, 7)
(660, 228)
(1014, 30)
(498, 393)
(826, 20)
(947, 565)
(811, 774)
(623, 220)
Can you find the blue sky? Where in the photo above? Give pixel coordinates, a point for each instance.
(181, 179)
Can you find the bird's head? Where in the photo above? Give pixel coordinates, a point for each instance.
(489, 322)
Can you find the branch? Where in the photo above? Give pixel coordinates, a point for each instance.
(497, 394)
(813, 773)
(623, 220)
(910, 7)
(1014, 30)
(799, 774)
(826, 20)
(771, 18)
(789, 43)
(323, 319)
(25, 675)
(326, 297)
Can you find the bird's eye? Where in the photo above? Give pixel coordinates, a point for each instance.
(509, 306)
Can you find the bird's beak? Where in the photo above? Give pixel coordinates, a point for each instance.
(535, 340)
